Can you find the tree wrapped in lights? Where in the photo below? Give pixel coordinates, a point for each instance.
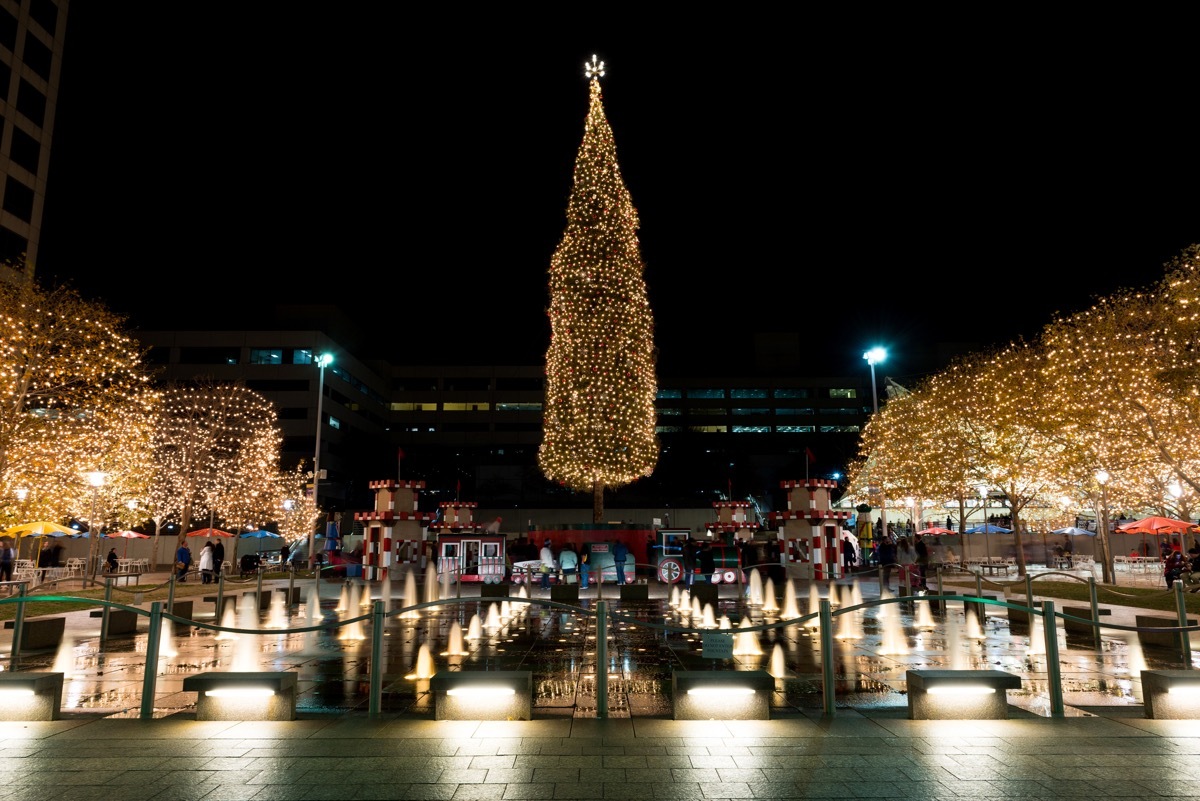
(600, 373)
(74, 396)
(216, 447)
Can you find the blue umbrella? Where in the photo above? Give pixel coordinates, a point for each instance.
(259, 535)
(988, 528)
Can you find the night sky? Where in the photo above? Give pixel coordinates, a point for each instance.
(857, 187)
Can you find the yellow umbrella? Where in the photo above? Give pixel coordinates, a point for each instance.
(38, 528)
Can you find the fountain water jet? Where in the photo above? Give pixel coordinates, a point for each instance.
(769, 603)
(707, 616)
(343, 600)
(955, 652)
(245, 652)
(425, 667)
(724, 622)
(277, 615)
(64, 658)
(410, 597)
(431, 583)
(454, 645)
(894, 642)
(474, 628)
(755, 596)
(746, 642)
(166, 639)
(778, 665)
(386, 594)
(493, 617)
(791, 610)
(228, 621)
(925, 616)
(814, 606)
(353, 632)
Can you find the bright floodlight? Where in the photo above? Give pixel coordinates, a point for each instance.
(325, 359)
(875, 355)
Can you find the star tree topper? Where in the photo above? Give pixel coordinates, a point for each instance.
(594, 68)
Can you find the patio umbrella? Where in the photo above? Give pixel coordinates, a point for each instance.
(936, 531)
(989, 528)
(1074, 531)
(209, 532)
(260, 535)
(1157, 526)
(127, 536)
(38, 528)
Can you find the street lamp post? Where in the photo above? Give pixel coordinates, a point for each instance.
(22, 494)
(96, 479)
(875, 356)
(1105, 551)
(322, 362)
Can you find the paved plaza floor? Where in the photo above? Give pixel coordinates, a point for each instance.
(1104, 746)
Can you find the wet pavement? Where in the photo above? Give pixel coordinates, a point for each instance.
(335, 749)
(319, 639)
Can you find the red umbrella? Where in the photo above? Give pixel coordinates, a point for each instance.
(1158, 525)
(937, 530)
(209, 532)
(127, 536)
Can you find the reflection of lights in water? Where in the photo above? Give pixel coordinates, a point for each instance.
(755, 597)
(425, 667)
(455, 645)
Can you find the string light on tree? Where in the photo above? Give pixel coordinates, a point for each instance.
(600, 377)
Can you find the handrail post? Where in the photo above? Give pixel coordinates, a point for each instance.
(108, 587)
(1095, 611)
(1053, 670)
(1029, 590)
(1185, 637)
(19, 623)
(979, 584)
(171, 590)
(291, 566)
(258, 584)
(375, 704)
(150, 674)
(828, 691)
(220, 598)
(602, 660)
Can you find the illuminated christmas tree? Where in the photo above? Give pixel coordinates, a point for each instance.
(600, 379)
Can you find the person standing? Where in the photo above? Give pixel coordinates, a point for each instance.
(847, 555)
(887, 558)
(690, 552)
(708, 561)
(7, 561)
(547, 559)
(206, 563)
(584, 568)
(283, 554)
(183, 560)
(568, 561)
(906, 557)
(620, 556)
(922, 561)
(110, 561)
(218, 555)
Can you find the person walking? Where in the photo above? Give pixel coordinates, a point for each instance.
(922, 561)
(620, 556)
(847, 555)
(206, 563)
(547, 559)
